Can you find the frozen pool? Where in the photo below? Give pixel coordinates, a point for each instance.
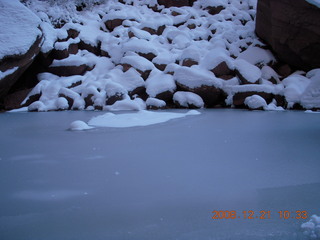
(161, 181)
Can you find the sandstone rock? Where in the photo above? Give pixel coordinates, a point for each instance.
(165, 96)
(292, 29)
(175, 3)
(65, 71)
(222, 69)
(112, 24)
(214, 10)
(16, 65)
(140, 92)
(211, 95)
(93, 49)
(188, 62)
(239, 97)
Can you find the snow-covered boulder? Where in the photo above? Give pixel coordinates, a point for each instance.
(247, 72)
(201, 82)
(255, 102)
(154, 103)
(20, 42)
(160, 85)
(187, 100)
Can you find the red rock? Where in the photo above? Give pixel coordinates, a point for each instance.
(22, 63)
(214, 10)
(188, 62)
(69, 70)
(210, 95)
(239, 97)
(175, 3)
(292, 29)
(222, 69)
(112, 24)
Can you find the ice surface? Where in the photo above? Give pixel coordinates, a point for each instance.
(171, 176)
(141, 118)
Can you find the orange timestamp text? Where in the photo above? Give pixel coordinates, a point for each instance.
(263, 214)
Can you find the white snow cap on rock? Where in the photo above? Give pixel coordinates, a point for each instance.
(250, 72)
(159, 82)
(187, 99)
(18, 28)
(255, 102)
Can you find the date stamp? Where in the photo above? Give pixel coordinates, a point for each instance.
(263, 214)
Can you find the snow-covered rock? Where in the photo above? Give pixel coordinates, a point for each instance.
(188, 100)
(20, 42)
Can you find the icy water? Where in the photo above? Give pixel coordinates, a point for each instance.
(159, 182)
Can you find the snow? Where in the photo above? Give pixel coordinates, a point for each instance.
(256, 55)
(187, 99)
(314, 2)
(159, 82)
(127, 105)
(137, 62)
(216, 56)
(79, 126)
(195, 76)
(18, 28)
(295, 85)
(311, 96)
(250, 72)
(154, 102)
(140, 118)
(312, 227)
(268, 73)
(8, 72)
(255, 102)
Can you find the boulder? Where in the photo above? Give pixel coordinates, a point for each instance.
(292, 29)
(19, 45)
(240, 97)
(211, 95)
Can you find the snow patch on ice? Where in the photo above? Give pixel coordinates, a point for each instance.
(79, 126)
(141, 118)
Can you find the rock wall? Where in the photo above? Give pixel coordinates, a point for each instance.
(20, 41)
(292, 29)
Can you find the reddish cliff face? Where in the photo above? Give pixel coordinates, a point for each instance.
(292, 29)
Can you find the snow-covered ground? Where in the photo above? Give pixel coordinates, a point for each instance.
(124, 48)
(159, 181)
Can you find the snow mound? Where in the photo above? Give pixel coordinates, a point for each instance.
(312, 227)
(141, 118)
(79, 126)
